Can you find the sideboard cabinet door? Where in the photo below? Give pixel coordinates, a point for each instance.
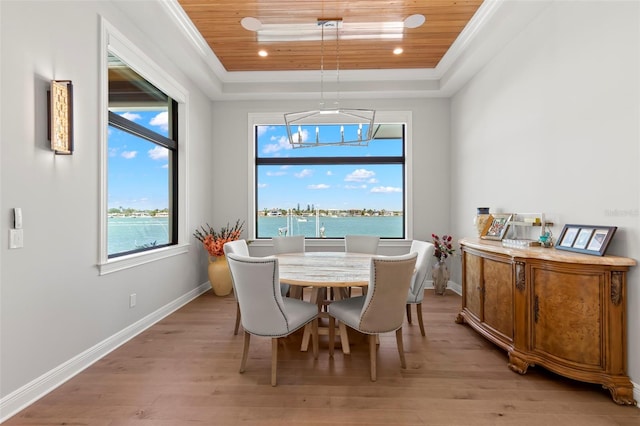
(498, 297)
(488, 296)
(568, 321)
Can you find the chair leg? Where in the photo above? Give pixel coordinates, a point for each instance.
(314, 338)
(332, 334)
(274, 360)
(344, 338)
(409, 313)
(245, 351)
(419, 312)
(403, 362)
(373, 356)
(235, 331)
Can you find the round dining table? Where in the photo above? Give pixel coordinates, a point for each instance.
(325, 270)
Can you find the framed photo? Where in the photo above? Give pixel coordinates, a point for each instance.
(496, 226)
(586, 239)
(569, 235)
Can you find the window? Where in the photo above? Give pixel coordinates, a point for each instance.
(330, 191)
(143, 163)
(142, 146)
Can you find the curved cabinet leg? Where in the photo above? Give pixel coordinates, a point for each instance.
(518, 364)
(459, 319)
(621, 394)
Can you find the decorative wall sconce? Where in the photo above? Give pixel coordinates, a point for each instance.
(60, 111)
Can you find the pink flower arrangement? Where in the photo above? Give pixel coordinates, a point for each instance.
(213, 241)
(443, 246)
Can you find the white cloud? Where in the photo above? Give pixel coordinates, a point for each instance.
(161, 120)
(304, 173)
(281, 143)
(386, 189)
(262, 185)
(359, 175)
(363, 186)
(158, 153)
(263, 129)
(281, 173)
(329, 173)
(131, 116)
(319, 186)
(129, 154)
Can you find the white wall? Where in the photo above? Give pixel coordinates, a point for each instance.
(429, 161)
(551, 124)
(53, 304)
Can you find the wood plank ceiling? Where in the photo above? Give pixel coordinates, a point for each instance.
(237, 48)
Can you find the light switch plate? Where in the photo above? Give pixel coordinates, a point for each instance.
(16, 238)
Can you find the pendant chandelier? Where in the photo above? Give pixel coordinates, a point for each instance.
(312, 128)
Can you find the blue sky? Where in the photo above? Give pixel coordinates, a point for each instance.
(339, 187)
(138, 169)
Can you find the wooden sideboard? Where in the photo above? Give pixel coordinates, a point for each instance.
(563, 311)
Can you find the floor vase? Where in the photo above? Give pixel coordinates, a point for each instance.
(219, 275)
(440, 276)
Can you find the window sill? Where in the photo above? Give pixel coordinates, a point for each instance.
(131, 261)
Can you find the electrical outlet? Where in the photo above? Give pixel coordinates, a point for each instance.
(132, 300)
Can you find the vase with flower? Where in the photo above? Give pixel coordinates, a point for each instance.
(213, 242)
(439, 271)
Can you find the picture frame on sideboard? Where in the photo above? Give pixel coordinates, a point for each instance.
(588, 239)
(497, 226)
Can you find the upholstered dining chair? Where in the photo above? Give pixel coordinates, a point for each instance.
(256, 282)
(361, 243)
(292, 244)
(416, 290)
(237, 247)
(381, 310)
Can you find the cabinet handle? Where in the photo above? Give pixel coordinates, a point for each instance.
(536, 309)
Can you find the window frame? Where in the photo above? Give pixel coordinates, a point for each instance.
(390, 117)
(116, 43)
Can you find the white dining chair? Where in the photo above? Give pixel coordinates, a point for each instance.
(416, 290)
(361, 244)
(367, 244)
(291, 244)
(236, 247)
(256, 282)
(382, 309)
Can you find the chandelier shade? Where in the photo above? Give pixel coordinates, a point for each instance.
(343, 126)
(319, 127)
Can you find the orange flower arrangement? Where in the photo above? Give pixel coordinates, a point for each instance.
(213, 240)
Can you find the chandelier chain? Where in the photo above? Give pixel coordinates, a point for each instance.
(322, 67)
(337, 66)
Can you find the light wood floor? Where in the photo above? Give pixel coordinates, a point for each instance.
(184, 371)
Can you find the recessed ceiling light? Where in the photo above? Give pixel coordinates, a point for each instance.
(251, 24)
(263, 53)
(398, 50)
(414, 21)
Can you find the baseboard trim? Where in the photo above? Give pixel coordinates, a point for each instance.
(21, 398)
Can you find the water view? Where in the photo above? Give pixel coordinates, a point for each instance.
(128, 233)
(330, 226)
(134, 232)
